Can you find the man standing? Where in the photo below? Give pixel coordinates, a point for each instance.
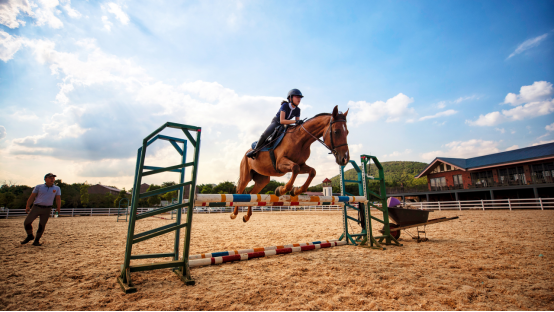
(42, 200)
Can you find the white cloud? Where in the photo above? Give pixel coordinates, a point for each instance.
(466, 98)
(3, 132)
(543, 142)
(513, 147)
(528, 44)
(393, 109)
(397, 154)
(464, 149)
(550, 127)
(501, 130)
(536, 105)
(9, 45)
(10, 9)
(23, 115)
(443, 104)
(69, 10)
(513, 132)
(46, 13)
(539, 90)
(116, 10)
(440, 114)
(107, 24)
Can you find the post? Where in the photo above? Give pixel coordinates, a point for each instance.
(72, 211)
(109, 209)
(509, 204)
(7, 213)
(439, 205)
(482, 204)
(540, 200)
(459, 206)
(91, 211)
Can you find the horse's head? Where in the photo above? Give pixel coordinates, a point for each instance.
(336, 140)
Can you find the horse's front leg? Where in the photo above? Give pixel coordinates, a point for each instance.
(286, 165)
(304, 169)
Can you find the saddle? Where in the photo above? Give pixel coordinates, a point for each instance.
(271, 144)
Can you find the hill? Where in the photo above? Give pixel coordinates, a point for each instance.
(396, 172)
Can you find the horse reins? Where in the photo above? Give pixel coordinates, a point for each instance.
(333, 147)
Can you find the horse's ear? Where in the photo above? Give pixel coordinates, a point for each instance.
(346, 113)
(335, 111)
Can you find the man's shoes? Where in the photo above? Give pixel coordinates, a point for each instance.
(251, 154)
(28, 239)
(36, 243)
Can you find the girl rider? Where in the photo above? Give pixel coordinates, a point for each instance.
(287, 111)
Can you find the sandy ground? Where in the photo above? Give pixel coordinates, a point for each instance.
(483, 261)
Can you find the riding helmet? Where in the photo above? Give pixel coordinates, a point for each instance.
(294, 92)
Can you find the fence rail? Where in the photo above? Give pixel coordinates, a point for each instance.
(522, 203)
(73, 212)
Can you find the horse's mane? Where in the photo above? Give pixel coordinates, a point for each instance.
(340, 116)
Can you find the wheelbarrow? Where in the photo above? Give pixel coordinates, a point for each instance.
(410, 218)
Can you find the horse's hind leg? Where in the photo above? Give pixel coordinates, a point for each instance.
(245, 177)
(304, 169)
(261, 181)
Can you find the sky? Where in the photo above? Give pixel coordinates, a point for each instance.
(83, 82)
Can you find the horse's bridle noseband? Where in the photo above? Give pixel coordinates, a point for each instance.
(333, 147)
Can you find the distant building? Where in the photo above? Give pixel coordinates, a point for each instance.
(102, 189)
(522, 173)
(327, 187)
(144, 187)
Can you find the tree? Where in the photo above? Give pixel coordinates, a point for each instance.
(6, 199)
(120, 196)
(169, 195)
(224, 188)
(207, 189)
(154, 200)
(84, 194)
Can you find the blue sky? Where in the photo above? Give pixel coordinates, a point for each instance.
(82, 83)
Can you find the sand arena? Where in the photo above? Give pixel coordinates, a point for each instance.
(486, 260)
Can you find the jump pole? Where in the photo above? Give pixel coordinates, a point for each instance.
(248, 254)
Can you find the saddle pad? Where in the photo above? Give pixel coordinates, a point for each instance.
(271, 146)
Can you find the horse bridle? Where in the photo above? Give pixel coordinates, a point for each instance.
(333, 147)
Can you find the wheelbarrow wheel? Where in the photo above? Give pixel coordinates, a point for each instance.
(395, 234)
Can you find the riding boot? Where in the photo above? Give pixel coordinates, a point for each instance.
(260, 143)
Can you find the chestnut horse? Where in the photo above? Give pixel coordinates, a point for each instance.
(292, 153)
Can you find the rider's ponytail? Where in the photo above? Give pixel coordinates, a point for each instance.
(284, 102)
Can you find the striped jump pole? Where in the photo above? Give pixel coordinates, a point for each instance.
(247, 254)
(230, 200)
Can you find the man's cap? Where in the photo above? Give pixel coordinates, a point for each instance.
(49, 175)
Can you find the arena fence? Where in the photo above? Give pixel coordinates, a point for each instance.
(483, 204)
(77, 212)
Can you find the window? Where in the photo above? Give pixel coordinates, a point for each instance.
(441, 167)
(458, 180)
(512, 175)
(448, 168)
(482, 179)
(438, 183)
(542, 173)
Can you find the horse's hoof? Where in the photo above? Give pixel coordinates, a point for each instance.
(233, 216)
(245, 218)
(278, 191)
(295, 191)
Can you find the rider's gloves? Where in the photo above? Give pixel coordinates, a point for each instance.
(299, 122)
